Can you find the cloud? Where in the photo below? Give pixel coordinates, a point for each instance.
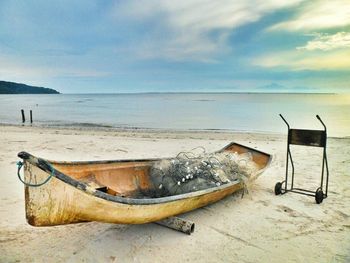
(327, 42)
(304, 60)
(192, 30)
(12, 68)
(315, 15)
(326, 51)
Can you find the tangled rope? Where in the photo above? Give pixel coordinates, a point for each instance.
(191, 171)
(20, 165)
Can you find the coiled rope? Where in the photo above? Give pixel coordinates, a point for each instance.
(20, 165)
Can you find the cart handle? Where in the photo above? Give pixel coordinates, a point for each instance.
(319, 118)
(285, 120)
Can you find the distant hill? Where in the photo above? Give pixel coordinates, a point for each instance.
(18, 88)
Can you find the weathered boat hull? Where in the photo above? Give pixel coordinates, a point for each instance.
(67, 199)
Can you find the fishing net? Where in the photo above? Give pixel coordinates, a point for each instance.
(197, 170)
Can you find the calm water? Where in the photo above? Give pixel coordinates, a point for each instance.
(238, 112)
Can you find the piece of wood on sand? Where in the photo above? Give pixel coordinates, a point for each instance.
(177, 224)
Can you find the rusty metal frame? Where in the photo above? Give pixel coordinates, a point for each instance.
(315, 138)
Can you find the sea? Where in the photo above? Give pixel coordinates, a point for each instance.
(242, 112)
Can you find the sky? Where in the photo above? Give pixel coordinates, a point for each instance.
(132, 46)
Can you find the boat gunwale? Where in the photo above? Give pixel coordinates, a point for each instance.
(46, 166)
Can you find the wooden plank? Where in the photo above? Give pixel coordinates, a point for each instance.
(178, 224)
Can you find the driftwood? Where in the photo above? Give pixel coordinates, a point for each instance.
(177, 224)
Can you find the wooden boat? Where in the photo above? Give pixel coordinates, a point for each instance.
(109, 191)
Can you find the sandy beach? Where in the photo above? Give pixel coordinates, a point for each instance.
(260, 227)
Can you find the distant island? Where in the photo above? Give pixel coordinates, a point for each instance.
(18, 88)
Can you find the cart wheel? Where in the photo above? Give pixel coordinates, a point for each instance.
(319, 196)
(278, 188)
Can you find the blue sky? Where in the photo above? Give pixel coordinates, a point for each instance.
(174, 46)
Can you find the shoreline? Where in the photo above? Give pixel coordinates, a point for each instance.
(141, 130)
(105, 128)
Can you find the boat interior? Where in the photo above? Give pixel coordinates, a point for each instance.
(127, 178)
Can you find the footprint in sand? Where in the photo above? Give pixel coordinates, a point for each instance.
(264, 203)
(287, 210)
(342, 214)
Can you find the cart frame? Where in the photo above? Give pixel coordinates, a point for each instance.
(314, 138)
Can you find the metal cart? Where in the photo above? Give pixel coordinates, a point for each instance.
(316, 138)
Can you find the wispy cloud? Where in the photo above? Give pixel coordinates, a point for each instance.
(315, 15)
(174, 45)
(328, 50)
(193, 30)
(13, 68)
(304, 60)
(328, 42)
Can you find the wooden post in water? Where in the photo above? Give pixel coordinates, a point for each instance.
(31, 116)
(23, 117)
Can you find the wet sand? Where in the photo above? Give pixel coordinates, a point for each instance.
(260, 227)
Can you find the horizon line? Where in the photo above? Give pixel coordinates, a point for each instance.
(198, 92)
